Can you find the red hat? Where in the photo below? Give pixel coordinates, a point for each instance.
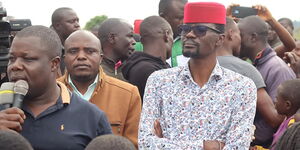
(204, 12)
(136, 25)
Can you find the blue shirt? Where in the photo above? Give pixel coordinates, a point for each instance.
(70, 124)
(89, 92)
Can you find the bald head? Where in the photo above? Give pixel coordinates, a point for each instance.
(254, 24)
(111, 26)
(82, 35)
(58, 14)
(153, 27)
(83, 56)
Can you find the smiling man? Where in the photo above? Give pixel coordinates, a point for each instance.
(200, 105)
(51, 117)
(119, 100)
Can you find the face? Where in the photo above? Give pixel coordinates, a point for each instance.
(82, 57)
(285, 24)
(236, 41)
(68, 24)
(272, 35)
(175, 15)
(169, 43)
(201, 41)
(246, 46)
(123, 41)
(280, 104)
(29, 61)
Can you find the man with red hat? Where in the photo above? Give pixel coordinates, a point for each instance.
(200, 105)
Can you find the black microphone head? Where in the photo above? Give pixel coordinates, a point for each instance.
(21, 87)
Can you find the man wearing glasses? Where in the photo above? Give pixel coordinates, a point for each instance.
(200, 105)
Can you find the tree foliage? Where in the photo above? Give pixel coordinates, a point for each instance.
(94, 22)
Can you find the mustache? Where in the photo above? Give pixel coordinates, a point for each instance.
(190, 41)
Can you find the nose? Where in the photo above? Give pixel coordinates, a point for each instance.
(190, 34)
(77, 25)
(15, 65)
(81, 55)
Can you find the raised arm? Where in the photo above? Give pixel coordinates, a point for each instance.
(284, 36)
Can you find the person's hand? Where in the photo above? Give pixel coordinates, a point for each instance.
(157, 129)
(12, 118)
(213, 145)
(294, 60)
(263, 12)
(229, 12)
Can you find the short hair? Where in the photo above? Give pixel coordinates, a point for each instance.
(290, 138)
(49, 38)
(229, 23)
(163, 6)
(110, 142)
(290, 91)
(11, 140)
(58, 13)
(254, 24)
(289, 21)
(151, 26)
(107, 27)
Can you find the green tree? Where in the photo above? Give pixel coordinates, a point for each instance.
(94, 22)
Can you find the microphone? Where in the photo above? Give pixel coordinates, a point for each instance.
(20, 90)
(7, 94)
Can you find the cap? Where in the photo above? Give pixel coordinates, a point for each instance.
(204, 12)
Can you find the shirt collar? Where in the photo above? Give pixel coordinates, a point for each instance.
(65, 94)
(216, 74)
(74, 87)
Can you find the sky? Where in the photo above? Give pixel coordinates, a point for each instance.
(40, 11)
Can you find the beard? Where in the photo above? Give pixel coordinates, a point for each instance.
(192, 53)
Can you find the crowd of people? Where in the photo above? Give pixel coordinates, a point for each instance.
(192, 77)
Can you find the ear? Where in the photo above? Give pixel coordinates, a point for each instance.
(288, 104)
(253, 37)
(101, 58)
(55, 62)
(229, 35)
(111, 38)
(220, 40)
(166, 35)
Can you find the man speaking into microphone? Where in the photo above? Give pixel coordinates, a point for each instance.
(50, 117)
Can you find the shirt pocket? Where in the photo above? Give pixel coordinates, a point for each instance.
(117, 127)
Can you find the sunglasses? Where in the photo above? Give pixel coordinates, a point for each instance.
(199, 30)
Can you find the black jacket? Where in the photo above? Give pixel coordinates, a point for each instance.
(138, 68)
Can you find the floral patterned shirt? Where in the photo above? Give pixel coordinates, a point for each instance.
(223, 109)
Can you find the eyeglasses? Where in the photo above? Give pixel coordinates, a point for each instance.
(199, 30)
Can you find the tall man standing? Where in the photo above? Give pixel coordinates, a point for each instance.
(157, 39)
(200, 105)
(172, 11)
(64, 22)
(119, 100)
(116, 37)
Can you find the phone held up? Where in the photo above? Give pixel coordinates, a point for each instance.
(242, 12)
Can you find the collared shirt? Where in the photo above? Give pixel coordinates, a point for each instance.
(223, 109)
(70, 124)
(89, 92)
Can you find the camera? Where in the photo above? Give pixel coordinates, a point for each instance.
(7, 31)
